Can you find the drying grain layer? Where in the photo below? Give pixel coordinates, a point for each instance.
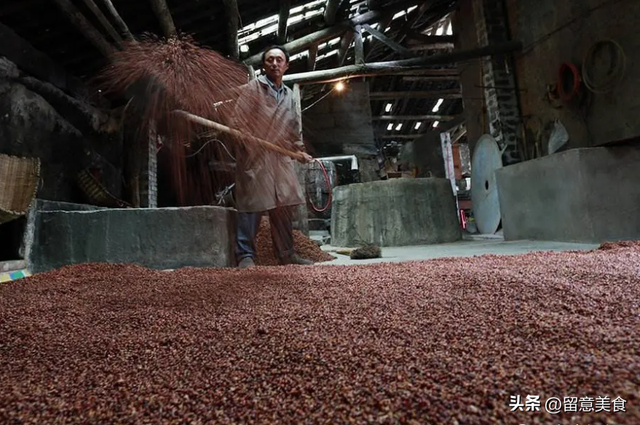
(448, 341)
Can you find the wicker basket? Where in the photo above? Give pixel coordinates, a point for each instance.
(96, 193)
(19, 179)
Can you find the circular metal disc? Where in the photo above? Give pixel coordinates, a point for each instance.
(486, 159)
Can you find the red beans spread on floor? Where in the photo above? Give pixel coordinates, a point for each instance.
(483, 340)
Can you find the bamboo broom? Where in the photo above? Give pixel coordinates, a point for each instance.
(212, 124)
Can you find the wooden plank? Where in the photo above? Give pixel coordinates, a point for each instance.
(387, 41)
(435, 94)
(163, 14)
(397, 67)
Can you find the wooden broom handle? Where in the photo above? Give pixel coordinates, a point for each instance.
(212, 124)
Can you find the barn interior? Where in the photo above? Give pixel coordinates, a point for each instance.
(472, 191)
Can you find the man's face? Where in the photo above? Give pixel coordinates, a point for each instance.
(275, 64)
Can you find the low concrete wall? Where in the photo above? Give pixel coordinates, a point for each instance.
(396, 212)
(582, 195)
(39, 205)
(160, 238)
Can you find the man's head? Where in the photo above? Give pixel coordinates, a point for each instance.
(275, 61)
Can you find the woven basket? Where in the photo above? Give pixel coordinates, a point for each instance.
(96, 193)
(19, 179)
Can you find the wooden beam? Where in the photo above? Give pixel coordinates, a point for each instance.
(411, 79)
(435, 94)
(330, 10)
(84, 26)
(419, 39)
(387, 41)
(413, 118)
(163, 14)
(283, 18)
(397, 67)
(359, 47)
(325, 34)
(104, 21)
(36, 63)
(122, 26)
(311, 59)
(233, 19)
(345, 44)
(401, 136)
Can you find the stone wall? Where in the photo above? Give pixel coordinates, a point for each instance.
(554, 32)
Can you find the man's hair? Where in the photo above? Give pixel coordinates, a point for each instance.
(281, 48)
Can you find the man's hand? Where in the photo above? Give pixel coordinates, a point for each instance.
(306, 158)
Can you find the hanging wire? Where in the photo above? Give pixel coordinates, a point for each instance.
(207, 142)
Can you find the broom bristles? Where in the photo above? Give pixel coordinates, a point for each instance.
(161, 75)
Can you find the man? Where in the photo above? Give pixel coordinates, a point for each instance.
(268, 181)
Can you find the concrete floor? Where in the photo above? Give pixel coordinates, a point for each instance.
(469, 247)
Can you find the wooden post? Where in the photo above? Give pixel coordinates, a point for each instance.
(104, 21)
(345, 44)
(163, 14)
(301, 215)
(330, 10)
(283, 18)
(85, 27)
(359, 47)
(122, 26)
(233, 16)
(311, 60)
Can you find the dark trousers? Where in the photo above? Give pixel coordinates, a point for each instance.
(281, 220)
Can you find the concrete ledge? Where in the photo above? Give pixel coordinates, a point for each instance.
(162, 238)
(396, 212)
(588, 195)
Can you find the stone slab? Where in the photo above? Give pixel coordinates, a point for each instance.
(395, 212)
(160, 238)
(587, 195)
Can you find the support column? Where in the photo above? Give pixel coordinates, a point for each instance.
(149, 172)
(300, 217)
(500, 90)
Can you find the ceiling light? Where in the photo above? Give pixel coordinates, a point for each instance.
(244, 48)
(390, 127)
(418, 124)
(339, 86)
(399, 127)
(388, 107)
(436, 123)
